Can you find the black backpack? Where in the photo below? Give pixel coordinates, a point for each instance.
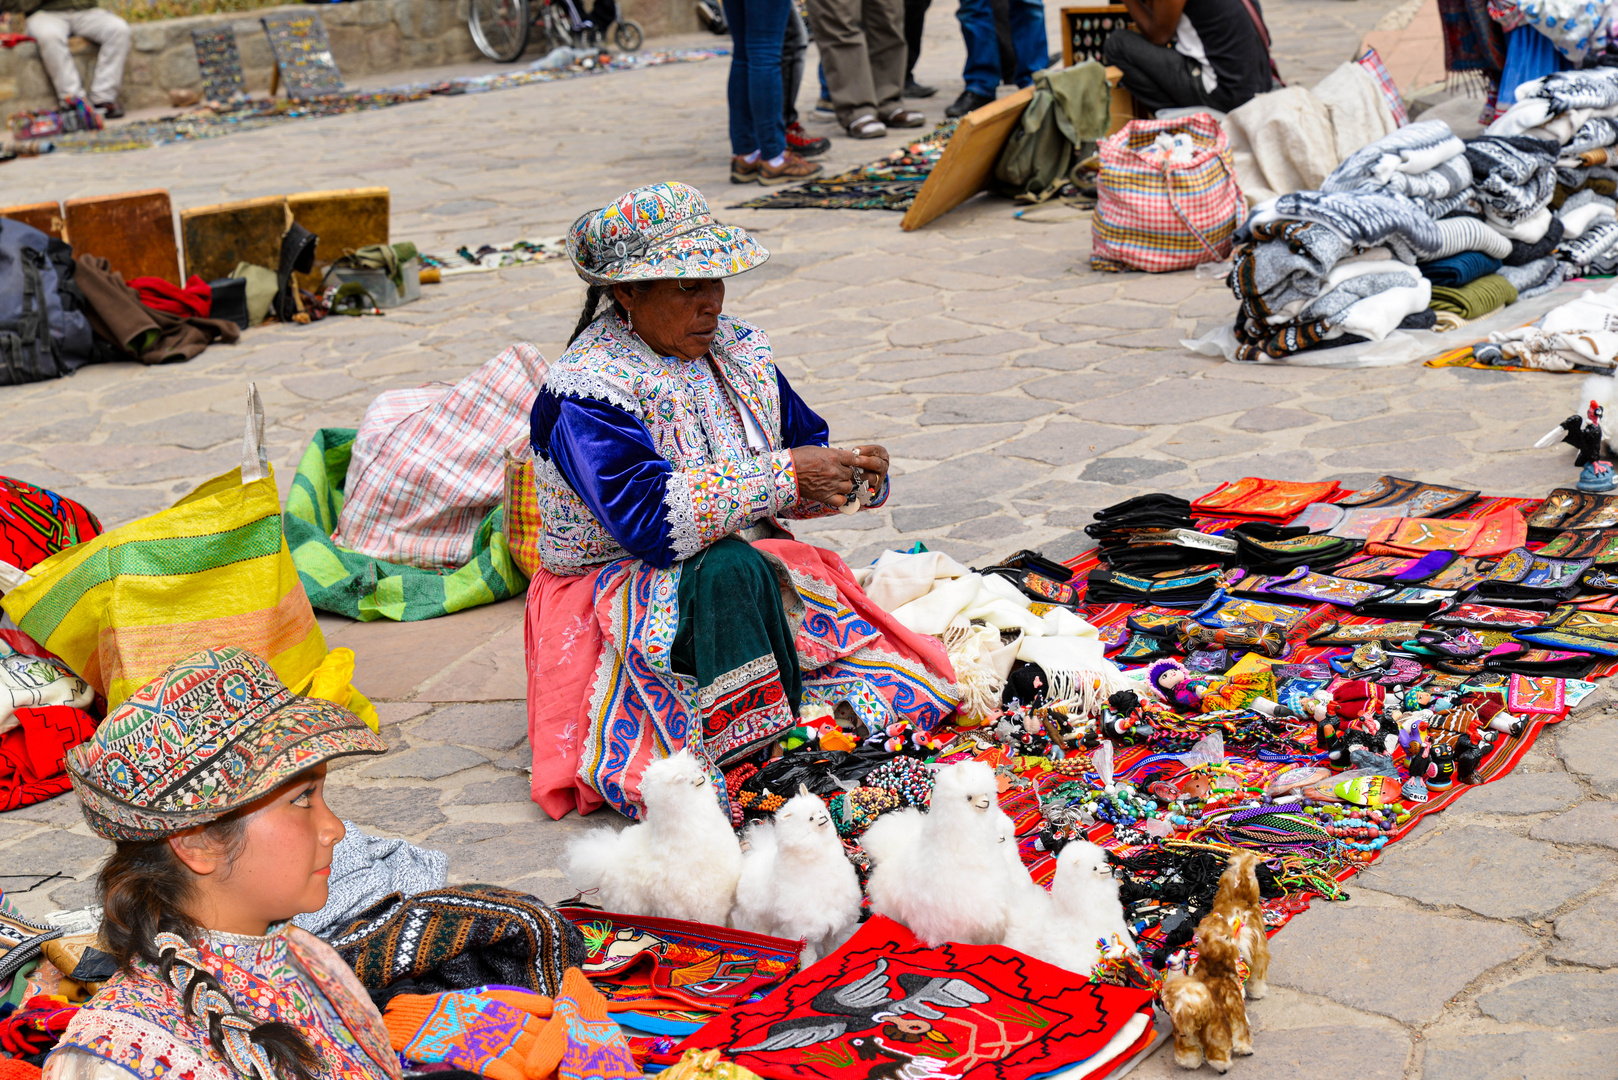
(44, 333)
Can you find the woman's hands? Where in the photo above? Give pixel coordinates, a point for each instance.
(826, 474)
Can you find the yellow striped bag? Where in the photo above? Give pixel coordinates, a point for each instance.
(524, 529)
(210, 571)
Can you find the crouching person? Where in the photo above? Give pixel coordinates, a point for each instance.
(52, 22)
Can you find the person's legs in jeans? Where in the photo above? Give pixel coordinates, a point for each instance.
(794, 53)
(884, 22)
(1002, 38)
(1157, 76)
(757, 28)
(836, 27)
(50, 30)
(982, 72)
(1028, 39)
(915, 23)
(112, 37)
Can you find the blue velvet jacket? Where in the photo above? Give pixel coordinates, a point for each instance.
(657, 457)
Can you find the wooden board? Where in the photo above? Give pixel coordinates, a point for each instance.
(303, 58)
(1085, 30)
(220, 236)
(968, 161)
(44, 216)
(345, 219)
(1121, 108)
(133, 231)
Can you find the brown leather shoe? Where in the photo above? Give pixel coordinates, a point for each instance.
(904, 118)
(793, 168)
(743, 171)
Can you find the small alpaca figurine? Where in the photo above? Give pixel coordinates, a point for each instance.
(681, 861)
(1210, 1017)
(1030, 906)
(796, 882)
(1084, 909)
(1238, 899)
(943, 873)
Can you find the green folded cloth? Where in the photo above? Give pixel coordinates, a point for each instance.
(261, 286)
(348, 583)
(1475, 299)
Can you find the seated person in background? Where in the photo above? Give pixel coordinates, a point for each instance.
(1220, 56)
(52, 22)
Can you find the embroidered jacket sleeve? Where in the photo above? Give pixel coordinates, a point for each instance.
(802, 426)
(658, 513)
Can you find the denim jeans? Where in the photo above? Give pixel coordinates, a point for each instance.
(982, 74)
(757, 27)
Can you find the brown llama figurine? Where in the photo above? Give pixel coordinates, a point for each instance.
(1238, 899)
(1209, 1014)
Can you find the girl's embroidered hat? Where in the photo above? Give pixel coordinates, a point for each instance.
(209, 735)
(664, 231)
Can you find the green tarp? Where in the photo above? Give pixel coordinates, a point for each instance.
(364, 588)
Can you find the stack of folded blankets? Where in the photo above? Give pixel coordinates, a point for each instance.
(1152, 552)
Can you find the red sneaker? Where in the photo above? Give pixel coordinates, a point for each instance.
(803, 144)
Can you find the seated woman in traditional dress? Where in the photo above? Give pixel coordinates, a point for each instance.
(671, 610)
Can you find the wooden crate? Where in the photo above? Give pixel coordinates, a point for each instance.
(1123, 108)
(133, 231)
(1085, 30)
(968, 160)
(44, 216)
(345, 220)
(220, 236)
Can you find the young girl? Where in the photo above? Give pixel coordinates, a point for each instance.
(210, 779)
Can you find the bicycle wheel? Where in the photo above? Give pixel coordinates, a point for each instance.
(627, 35)
(558, 29)
(499, 28)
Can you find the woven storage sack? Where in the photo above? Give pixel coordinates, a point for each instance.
(1155, 216)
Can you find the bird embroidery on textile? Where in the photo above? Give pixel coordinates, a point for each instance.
(866, 1003)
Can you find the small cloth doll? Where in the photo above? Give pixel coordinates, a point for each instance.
(1196, 693)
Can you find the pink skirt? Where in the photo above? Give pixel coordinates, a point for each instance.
(600, 709)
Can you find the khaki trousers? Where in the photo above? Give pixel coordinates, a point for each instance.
(51, 29)
(862, 46)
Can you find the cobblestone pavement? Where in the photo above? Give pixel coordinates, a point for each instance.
(1017, 390)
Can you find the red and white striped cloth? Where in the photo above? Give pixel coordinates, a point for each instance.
(427, 465)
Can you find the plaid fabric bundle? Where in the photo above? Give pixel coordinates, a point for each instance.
(426, 469)
(1155, 214)
(451, 939)
(1372, 62)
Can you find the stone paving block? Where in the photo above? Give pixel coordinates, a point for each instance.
(1592, 823)
(192, 430)
(969, 382)
(521, 757)
(1127, 470)
(1589, 746)
(52, 852)
(1062, 442)
(989, 528)
(965, 479)
(1082, 386)
(499, 725)
(507, 789)
(326, 386)
(1352, 407)
(1316, 1052)
(920, 518)
(76, 894)
(1403, 964)
(1571, 1000)
(407, 811)
(1368, 432)
(1468, 866)
(393, 659)
(1068, 358)
(929, 331)
(1118, 316)
(936, 445)
(1523, 793)
(982, 410)
(1199, 443)
(1588, 934)
(1534, 1055)
(1178, 402)
(426, 763)
(64, 810)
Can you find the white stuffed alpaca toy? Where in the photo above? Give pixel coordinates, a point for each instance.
(943, 873)
(680, 862)
(1084, 909)
(1030, 906)
(796, 882)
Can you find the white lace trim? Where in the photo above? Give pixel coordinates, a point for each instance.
(579, 382)
(117, 1037)
(684, 536)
